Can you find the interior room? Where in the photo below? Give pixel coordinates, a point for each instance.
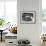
(22, 22)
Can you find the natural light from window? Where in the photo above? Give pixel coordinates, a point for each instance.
(11, 11)
(8, 11)
(43, 4)
(43, 16)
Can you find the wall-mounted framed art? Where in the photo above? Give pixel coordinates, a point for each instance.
(27, 17)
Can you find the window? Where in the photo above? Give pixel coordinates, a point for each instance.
(8, 10)
(44, 10)
(44, 16)
(1, 9)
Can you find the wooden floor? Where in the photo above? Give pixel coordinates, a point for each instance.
(2, 43)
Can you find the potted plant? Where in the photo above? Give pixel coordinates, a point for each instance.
(1, 22)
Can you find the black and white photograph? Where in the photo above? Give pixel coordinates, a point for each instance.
(27, 17)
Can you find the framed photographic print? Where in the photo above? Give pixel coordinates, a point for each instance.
(27, 17)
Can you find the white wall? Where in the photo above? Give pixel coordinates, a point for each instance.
(30, 31)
